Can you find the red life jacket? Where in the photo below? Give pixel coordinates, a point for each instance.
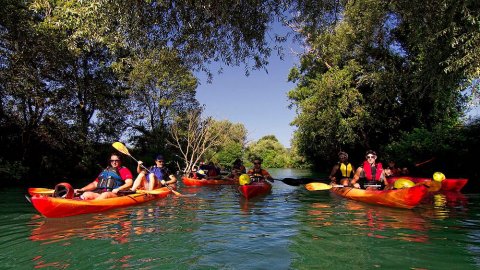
(368, 171)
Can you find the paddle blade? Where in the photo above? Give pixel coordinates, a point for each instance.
(121, 148)
(40, 191)
(317, 186)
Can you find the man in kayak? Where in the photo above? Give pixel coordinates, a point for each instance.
(257, 173)
(343, 171)
(154, 177)
(112, 179)
(370, 175)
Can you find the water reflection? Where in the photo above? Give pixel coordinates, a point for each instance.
(372, 221)
(116, 225)
(445, 204)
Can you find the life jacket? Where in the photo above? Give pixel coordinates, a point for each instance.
(159, 172)
(257, 175)
(368, 171)
(109, 179)
(345, 171)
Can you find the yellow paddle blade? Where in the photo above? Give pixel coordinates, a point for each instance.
(317, 186)
(41, 191)
(121, 147)
(155, 191)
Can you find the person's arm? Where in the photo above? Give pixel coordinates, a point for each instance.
(356, 177)
(127, 176)
(127, 185)
(332, 177)
(89, 187)
(172, 180)
(139, 166)
(267, 175)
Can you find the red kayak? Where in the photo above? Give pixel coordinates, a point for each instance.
(53, 207)
(449, 184)
(255, 189)
(399, 198)
(207, 182)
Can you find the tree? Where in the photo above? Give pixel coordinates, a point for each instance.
(270, 150)
(193, 135)
(371, 70)
(233, 137)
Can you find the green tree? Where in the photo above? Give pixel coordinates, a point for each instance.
(372, 70)
(270, 150)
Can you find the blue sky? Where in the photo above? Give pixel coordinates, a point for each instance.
(258, 101)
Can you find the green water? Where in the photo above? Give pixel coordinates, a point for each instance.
(290, 228)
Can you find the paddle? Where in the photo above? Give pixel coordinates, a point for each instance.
(314, 186)
(301, 181)
(123, 149)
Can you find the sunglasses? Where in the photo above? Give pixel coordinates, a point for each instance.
(257, 163)
(371, 156)
(160, 161)
(114, 160)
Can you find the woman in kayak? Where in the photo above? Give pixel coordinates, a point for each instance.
(257, 173)
(237, 169)
(343, 171)
(154, 177)
(111, 180)
(370, 175)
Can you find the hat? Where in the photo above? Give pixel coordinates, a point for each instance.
(341, 153)
(159, 157)
(371, 152)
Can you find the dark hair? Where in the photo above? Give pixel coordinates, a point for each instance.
(370, 152)
(117, 155)
(237, 161)
(257, 158)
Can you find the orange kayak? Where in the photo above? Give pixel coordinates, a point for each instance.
(207, 182)
(255, 189)
(449, 184)
(400, 198)
(52, 207)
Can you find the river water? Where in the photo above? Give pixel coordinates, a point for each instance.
(291, 228)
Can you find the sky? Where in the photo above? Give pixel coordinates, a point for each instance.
(258, 101)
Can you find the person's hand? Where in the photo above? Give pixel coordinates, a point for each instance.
(140, 163)
(78, 191)
(356, 185)
(115, 190)
(163, 182)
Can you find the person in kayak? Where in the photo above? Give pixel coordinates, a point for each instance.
(111, 180)
(370, 173)
(257, 173)
(343, 171)
(154, 177)
(237, 169)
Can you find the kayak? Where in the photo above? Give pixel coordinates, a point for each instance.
(255, 189)
(449, 184)
(399, 198)
(53, 207)
(207, 182)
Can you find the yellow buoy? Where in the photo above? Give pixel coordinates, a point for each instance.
(438, 176)
(244, 179)
(403, 183)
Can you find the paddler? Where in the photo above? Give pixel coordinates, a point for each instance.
(371, 174)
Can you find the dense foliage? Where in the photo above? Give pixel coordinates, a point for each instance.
(78, 75)
(375, 70)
